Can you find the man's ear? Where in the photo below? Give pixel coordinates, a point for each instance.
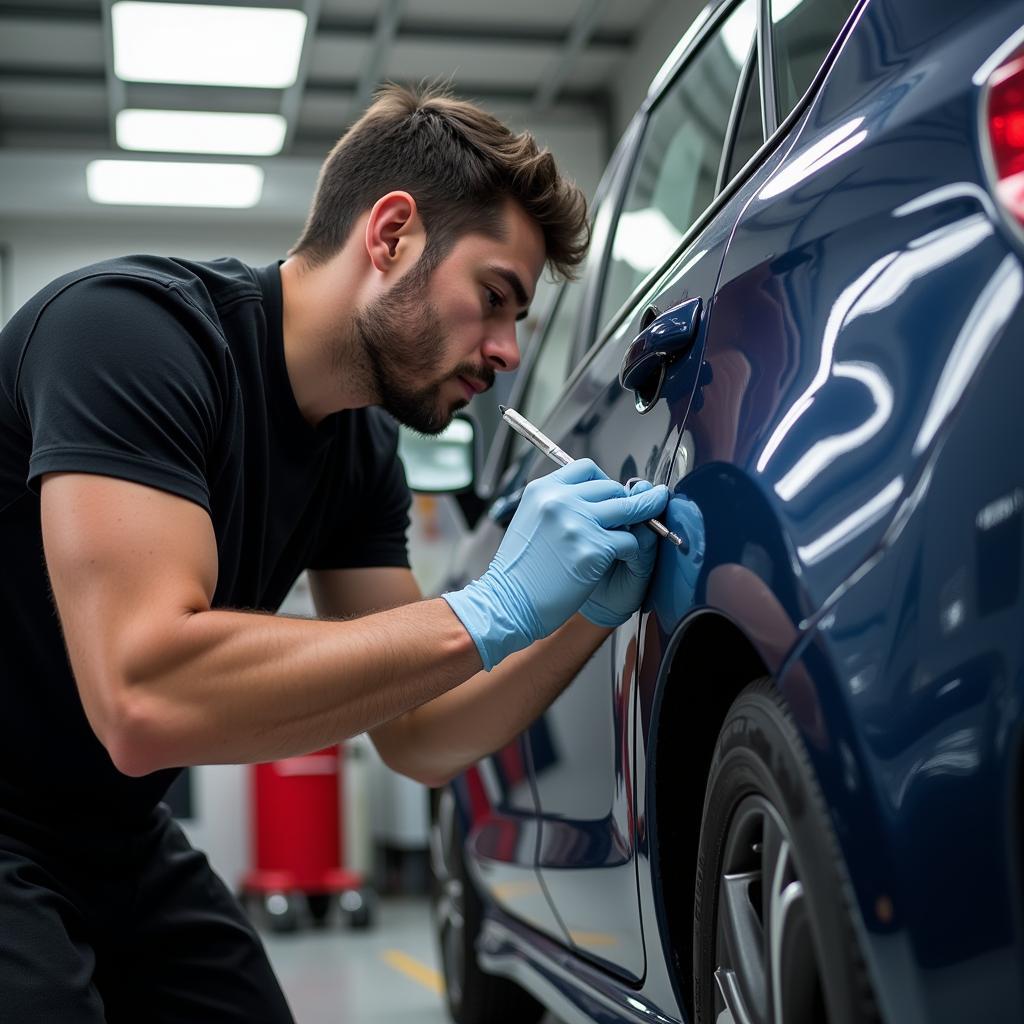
(394, 232)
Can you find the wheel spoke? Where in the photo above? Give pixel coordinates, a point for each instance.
(452, 962)
(766, 966)
(449, 899)
(442, 835)
(774, 851)
(730, 1008)
(795, 979)
(740, 949)
(450, 903)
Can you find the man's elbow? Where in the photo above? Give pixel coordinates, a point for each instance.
(425, 775)
(436, 780)
(131, 759)
(405, 760)
(133, 736)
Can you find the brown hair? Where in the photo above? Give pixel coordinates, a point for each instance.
(458, 162)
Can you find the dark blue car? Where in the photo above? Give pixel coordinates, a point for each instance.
(789, 790)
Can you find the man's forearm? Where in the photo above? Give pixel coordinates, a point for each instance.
(229, 687)
(435, 742)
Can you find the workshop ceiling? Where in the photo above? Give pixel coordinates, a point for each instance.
(528, 60)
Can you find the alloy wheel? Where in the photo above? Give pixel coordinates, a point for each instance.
(766, 968)
(449, 896)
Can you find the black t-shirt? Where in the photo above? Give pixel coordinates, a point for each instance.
(168, 373)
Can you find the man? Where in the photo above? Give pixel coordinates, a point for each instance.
(181, 440)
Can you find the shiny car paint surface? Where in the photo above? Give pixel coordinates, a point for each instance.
(842, 445)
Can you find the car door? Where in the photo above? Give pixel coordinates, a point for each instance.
(866, 285)
(662, 262)
(497, 795)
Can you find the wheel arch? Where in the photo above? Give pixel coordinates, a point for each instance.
(688, 722)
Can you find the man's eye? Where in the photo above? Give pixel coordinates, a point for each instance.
(494, 299)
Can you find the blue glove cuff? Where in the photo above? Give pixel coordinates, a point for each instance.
(492, 611)
(601, 616)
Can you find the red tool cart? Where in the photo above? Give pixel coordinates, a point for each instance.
(297, 843)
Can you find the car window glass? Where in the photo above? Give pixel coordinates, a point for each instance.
(673, 179)
(749, 133)
(803, 32)
(550, 368)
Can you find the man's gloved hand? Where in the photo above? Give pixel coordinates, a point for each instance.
(623, 586)
(562, 541)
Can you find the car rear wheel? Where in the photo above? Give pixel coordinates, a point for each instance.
(773, 940)
(473, 996)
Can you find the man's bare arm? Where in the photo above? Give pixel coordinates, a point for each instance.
(167, 681)
(439, 739)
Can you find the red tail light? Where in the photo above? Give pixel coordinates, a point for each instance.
(1006, 133)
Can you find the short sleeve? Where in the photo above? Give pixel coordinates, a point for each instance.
(376, 536)
(117, 378)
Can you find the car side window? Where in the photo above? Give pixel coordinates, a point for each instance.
(749, 130)
(803, 32)
(673, 178)
(550, 368)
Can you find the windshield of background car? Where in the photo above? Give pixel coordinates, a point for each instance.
(803, 32)
(673, 179)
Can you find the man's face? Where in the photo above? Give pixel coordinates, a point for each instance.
(432, 344)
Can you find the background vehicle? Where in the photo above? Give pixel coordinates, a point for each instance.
(790, 787)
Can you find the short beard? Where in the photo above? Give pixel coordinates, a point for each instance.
(402, 343)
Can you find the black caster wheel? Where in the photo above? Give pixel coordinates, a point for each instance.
(280, 912)
(319, 904)
(357, 908)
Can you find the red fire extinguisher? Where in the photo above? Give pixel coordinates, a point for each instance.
(297, 843)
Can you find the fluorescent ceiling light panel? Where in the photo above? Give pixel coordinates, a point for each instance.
(783, 8)
(644, 238)
(205, 44)
(153, 183)
(194, 131)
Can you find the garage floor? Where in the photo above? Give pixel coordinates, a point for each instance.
(385, 975)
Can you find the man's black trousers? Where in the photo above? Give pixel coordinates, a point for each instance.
(124, 926)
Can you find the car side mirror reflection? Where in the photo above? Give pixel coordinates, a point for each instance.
(441, 463)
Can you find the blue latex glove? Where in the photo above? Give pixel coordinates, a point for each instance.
(675, 581)
(560, 544)
(623, 586)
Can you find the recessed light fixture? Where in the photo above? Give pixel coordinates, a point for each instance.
(198, 131)
(158, 183)
(206, 44)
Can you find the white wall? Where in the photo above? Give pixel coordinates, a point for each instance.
(40, 249)
(664, 25)
(579, 149)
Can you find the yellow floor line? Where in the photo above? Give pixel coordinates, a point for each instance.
(412, 968)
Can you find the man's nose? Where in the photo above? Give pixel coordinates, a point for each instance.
(501, 349)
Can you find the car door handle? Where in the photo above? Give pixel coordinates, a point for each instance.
(666, 338)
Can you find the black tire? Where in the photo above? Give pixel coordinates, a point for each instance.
(472, 996)
(358, 907)
(319, 904)
(280, 912)
(772, 934)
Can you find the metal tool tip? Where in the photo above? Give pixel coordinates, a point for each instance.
(502, 408)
